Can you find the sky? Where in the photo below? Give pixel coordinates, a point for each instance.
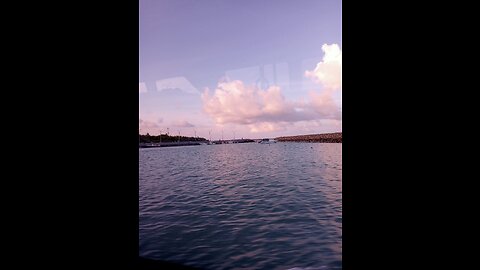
(244, 69)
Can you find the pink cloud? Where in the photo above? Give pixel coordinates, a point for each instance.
(268, 126)
(268, 110)
(146, 126)
(263, 110)
(324, 105)
(234, 102)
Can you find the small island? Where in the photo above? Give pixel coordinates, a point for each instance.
(321, 138)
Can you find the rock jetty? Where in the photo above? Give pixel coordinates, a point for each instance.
(321, 138)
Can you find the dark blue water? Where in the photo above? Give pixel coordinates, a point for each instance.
(243, 206)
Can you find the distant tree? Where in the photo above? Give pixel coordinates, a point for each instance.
(166, 138)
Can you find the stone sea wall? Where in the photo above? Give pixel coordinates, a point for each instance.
(321, 138)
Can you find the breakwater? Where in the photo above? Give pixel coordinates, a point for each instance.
(321, 138)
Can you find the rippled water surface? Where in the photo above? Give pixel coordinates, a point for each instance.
(243, 206)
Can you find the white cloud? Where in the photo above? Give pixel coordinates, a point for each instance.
(234, 102)
(329, 71)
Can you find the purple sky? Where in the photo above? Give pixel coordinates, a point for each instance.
(187, 46)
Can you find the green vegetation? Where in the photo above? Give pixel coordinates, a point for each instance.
(166, 138)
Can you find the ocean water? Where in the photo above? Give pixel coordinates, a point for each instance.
(242, 206)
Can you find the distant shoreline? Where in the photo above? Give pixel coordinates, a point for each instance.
(320, 138)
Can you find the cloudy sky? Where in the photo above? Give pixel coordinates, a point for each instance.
(250, 69)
